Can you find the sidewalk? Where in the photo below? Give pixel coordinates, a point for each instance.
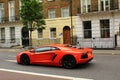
(95, 51)
(107, 52)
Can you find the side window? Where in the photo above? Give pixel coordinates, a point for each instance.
(42, 49)
(54, 48)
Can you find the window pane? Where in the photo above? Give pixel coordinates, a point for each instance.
(11, 11)
(104, 5)
(83, 8)
(86, 6)
(106, 2)
(87, 29)
(53, 32)
(2, 33)
(40, 0)
(51, 13)
(65, 12)
(12, 33)
(1, 12)
(40, 33)
(105, 31)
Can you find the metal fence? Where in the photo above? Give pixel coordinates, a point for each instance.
(9, 42)
(45, 41)
(96, 42)
(81, 42)
(35, 42)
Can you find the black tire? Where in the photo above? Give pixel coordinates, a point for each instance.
(24, 59)
(68, 62)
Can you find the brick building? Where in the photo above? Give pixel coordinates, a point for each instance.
(57, 17)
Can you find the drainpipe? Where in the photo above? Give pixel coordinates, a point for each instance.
(71, 22)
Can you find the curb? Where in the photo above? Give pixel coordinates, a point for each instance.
(106, 52)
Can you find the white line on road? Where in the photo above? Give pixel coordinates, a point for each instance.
(44, 75)
(12, 56)
(11, 60)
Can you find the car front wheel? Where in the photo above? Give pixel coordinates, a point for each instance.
(24, 59)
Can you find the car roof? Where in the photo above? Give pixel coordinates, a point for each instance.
(59, 45)
(55, 45)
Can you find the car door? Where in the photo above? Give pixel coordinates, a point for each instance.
(44, 55)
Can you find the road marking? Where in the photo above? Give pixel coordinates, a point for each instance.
(44, 75)
(11, 60)
(11, 56)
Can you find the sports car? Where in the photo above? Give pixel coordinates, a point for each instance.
(62, 55)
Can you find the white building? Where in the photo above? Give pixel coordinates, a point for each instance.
(98, 24)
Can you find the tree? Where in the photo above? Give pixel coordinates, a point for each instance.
(31, 13)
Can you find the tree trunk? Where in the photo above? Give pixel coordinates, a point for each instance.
(30, 33)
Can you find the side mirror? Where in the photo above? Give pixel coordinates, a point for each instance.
(32, 51)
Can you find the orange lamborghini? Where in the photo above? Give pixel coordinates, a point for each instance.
(63, 55)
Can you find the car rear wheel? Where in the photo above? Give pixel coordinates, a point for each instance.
(69, 62)
(24, 59)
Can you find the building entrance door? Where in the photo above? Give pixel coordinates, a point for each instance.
(25, 36)
(66, 35)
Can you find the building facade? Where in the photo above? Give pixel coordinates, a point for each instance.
(57, 14)
(10, 25)
(94, 23)
(98, 24)
(58, 18)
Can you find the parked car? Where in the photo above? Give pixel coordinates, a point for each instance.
(63, 55)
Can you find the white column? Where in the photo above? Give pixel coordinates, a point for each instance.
(119, 4)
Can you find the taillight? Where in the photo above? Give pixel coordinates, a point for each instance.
(84, 55)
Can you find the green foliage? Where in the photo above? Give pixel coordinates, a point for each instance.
(32, 11)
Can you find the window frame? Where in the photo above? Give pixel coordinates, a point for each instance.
(39, 33)
(65, 12)
(103, 6)
(2, 13)
(87, 31)
(53, 33)
(40, 0)
(2, 35)
(85, 6)
(105, 29)
(11, 10)
(12, 34)
(51, 13)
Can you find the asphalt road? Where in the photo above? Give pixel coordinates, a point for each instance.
(103, 67)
